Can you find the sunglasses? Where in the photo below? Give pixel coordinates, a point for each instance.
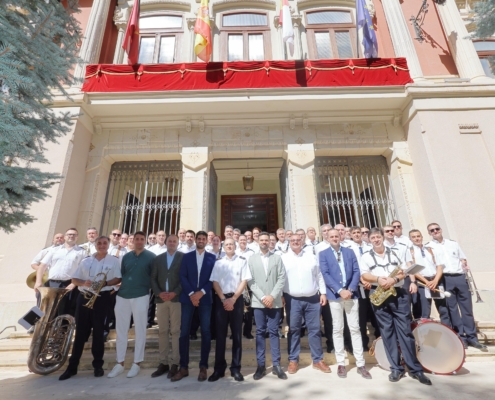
(116, 234)
(389, 230)
(397, 226)
(435, 230)
(365, 232)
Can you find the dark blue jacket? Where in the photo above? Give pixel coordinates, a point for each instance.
(333, 276)
(189, 277)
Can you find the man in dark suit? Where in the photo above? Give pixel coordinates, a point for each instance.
(341, 274)
(195, 271)
(165, 284)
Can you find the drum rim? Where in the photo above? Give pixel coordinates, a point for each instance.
(374, 355)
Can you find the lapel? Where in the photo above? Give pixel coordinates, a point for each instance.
(205, 264)
(270, 265)
(259, 265)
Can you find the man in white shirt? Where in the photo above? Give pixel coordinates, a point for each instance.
(90, 245)
(272, 247)
(344, 241)
(365, 234)
(246, 252)
(282, 245)
(190, 243)
(254, 243)
(305, 246)
(236, 234)
(312, 240)
(160, 247)
(151, 241)
(229, 276)
(123, 240)
(58, 239)
(130, 243)
(100, 267)
(182, 238)
(399, 237)
(209, 244)
(304, 294)
(62, 263)
(460, 304)
(117, 250)
(243, 250)
(431, 276)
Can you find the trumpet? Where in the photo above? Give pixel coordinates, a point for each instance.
(472, 285)
(94, 290)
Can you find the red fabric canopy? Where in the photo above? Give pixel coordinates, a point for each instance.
(246, 75)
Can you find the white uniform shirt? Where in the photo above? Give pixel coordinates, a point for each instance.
(319, 248)
(359, 250)
(185, 249)
(218, 254)
(230, 272)
(89, 248)
(63, 262)
(312, 243)
(303, 277)
(452, 255)
(383, 266)
(209, 247)
(282, 247)
(400, 249)
(181, 245)
(113, 250)
(39, 257)
(246, 253)
(90, 267)
(157, 249)
(422, 256)
(254, 246)
(404, 239)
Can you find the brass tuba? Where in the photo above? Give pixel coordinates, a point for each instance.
(380, 294)
(52, 335)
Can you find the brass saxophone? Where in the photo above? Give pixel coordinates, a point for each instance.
(94, 290)
(379, 296)
(52, 335)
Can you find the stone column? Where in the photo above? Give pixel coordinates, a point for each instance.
(462, 48)
(191, 22)
(303, 197)
(401, 38)
(298, 51)
(93, 37)
(120, 19)
(194, 201)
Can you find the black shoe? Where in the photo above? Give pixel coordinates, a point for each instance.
(277, 370)
(162, 369)
(395, 376)
(66, 375)
(260, 373)
(216, 376)
(421, 377)
(267, 335)
(105, 337)
(149, 326)
(303, 332)
(249, 336)
(476, 345)
(237, 376)
(99, 372)
(193, 336)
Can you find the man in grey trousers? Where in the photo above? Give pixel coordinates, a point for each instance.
(267, 284)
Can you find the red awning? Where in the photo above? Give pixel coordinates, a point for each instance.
(246, 75)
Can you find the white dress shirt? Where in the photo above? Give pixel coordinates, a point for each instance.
(282, 247)
(158, 249)
(199, 262)
(360, 249)
(89, 247)
(254, 246)
(422, 256)
(452, 255)
(303, 276)
(383, 266)
(186, 249)
(400, 249)
(39, 257)
(113, 250)
(218, 254)
(209, 248)
(90, 267)
(264, 259)
(404, 239)
(246, 253)
(63, 262)
(319, 248)
(312, 242)
(230, 272)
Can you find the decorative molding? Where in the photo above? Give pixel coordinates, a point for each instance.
(191, 22)
(171, 4)
(93, 199)
(305, 122)
(386, 142)
(247, 144)
(469, 128)
(397, 119)
(201, 124)
(188, 125)
(97, 126)
(226, 4)
(143, 137)
(406, 196)
(292, 122)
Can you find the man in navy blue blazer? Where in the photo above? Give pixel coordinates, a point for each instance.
(195, 274)
(340, 270)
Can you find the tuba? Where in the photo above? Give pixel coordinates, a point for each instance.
(52, 335)
(379, 296)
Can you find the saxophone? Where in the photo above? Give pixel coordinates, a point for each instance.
(52, 335)
(379, 296)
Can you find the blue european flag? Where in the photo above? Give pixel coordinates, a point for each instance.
(366, 30)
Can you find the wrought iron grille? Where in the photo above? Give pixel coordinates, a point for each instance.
(143, 196)
(354, 191)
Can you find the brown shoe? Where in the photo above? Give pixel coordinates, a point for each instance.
(341, 372)
(322, 367)
(293, 367)
(183, 372)
(202, 374)
(173, 370)
(363, 372)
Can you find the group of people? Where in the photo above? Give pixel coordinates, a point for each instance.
(193, 280)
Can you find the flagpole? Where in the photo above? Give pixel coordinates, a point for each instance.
(357, 31)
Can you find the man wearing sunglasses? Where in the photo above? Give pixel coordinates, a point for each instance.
(399, 237)
(365, 234)
(454, 274)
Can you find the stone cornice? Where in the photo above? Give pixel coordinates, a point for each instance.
(228, 4)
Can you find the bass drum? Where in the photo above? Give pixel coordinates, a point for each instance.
(438, 347)
(378, 350)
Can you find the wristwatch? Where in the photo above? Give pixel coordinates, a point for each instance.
(222, 300)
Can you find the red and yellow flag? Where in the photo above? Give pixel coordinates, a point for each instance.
(202, 43)
(131, 38)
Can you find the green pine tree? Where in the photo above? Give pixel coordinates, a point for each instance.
(38, 47)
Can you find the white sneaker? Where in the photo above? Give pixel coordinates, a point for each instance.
(133, 371)
(117, 370)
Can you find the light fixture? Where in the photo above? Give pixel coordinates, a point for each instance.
(248, 181)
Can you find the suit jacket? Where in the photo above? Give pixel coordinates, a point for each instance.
(332, 275)
(160, 272)
(189, 277)
(263, 285)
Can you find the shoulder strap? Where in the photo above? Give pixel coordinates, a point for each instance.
(432, 255)
(411, 249)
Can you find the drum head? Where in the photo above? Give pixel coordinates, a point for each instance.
(439, 349)
(380, 355)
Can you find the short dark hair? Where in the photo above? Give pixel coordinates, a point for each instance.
(264, 234)
(170, 236)
(415, 230)
(193, 233)
(139, 233)
(430, 224)
(396, 220)
(355, 228)
(376, 230)
(72, 229)
(202, 233)
(103, 237)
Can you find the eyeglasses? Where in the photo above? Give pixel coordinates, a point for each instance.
(389, 230)
(365, 232)
(435, 229)
(116, 234)
(397, 226)
(71, 234)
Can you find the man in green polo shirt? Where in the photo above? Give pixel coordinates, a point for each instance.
(133, 300)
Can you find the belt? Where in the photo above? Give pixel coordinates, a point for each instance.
(60, 281)
(460, 274)
(228, 295)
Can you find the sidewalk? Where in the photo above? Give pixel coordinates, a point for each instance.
(474, 381)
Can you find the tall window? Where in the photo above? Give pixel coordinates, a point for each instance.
(486, 53)
(245, 37)
(160, 38)
(331, 34)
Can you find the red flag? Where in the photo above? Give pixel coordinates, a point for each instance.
(131, 39)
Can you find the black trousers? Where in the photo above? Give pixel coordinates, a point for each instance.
(425, 305)
(152, 309)
(366, 314)
(328, 326)
(224, 319)
(110, 319)
(68, 303)
(460, 306)
(394, 320)
(86, 320)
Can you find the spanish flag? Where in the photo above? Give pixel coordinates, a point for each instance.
(202, 43)
(131, 38)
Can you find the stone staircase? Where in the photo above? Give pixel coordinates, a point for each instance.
(14, 350)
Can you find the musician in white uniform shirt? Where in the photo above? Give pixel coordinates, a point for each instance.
(243, 250)
(209, 245)
(190, 243)
(344, 241)
(272, 245)
(399, 237)
(151, 241)
(312, 240)
(216, 248)
(62, 263)
(282, 244)
(116, 249)
(58, 239)
(182, 238)
(160, 247)
(90, 245)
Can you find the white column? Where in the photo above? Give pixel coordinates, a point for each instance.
(462, 48)
(93, 37)
(191, 22)
(120, 19)
(401, 38)
(298, 52)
